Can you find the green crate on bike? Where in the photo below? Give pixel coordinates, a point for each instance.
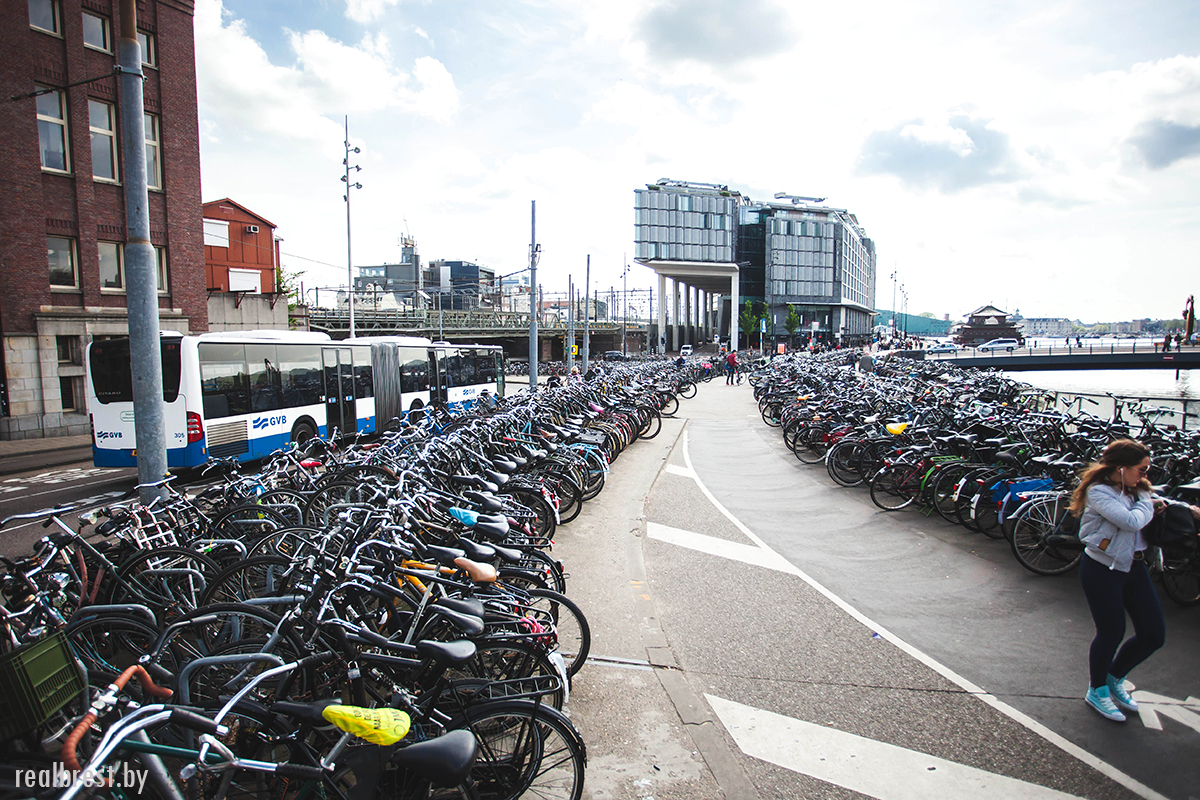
(36, 680)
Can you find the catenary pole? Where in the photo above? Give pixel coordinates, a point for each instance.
(535, 304)
(587, 287)
(141, 269)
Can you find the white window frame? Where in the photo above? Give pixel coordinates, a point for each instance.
(111, 135)
(62, 123)
(74, 259)
(149, 50)
(106, 29)
(153, 146)
(160, 259)
(120, 254)
(54, 11)
(245, 277)
(216, 232)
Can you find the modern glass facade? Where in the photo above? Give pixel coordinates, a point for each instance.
(682, 224)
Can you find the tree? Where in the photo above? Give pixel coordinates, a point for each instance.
(288, 284)
(748, 323)
(927, 315)
(792, 324)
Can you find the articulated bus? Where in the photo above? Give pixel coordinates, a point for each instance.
(249, 393)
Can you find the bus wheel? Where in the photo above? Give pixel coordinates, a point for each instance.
(303, 431)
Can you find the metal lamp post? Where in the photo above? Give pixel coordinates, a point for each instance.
(349, 186)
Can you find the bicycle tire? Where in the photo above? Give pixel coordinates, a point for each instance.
(890, 489)
(1181, 576)
(167, 579)
(1029, 540)
(574, 633)
(524, 747)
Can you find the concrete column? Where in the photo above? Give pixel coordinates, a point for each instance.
(662, 312)
(687, 314)
(674, 314)
(735, 303)
(721, 328)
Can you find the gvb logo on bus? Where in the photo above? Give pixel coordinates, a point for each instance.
(266, 422)
(102, 435)
(58, 776)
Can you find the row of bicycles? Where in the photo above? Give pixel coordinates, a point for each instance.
(991, 454)
(361, 619)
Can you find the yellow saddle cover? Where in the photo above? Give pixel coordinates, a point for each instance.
(382, 726)
(896, 428)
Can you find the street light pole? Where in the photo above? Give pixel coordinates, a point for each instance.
(534, 297)
(349, 186)
(624, 310)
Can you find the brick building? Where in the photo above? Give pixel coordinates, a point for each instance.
(62, 211)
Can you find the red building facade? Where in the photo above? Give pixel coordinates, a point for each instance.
(241, 253)
(62, 213)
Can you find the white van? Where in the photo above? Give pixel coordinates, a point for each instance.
(686, 350)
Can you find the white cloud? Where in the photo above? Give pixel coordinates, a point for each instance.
(367, 10)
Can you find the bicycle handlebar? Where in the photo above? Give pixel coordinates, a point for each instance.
(69, 757)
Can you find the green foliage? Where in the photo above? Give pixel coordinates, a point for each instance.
(792, 323)
(288, 284)
(927, 315)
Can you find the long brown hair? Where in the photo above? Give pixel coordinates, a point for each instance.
(1119, 453)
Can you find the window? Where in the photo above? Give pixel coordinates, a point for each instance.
(216, 233)
(52, 130)
(263, 369)
(43, 15)
(112, 378)
(153, 163)
(146, 43)
(224, 384)
(95, 32)
(68, 349)
(61, 254)
(104, 140)
(300, 374)
(66, 389)
(160, 258)
(112, 265)
(364, 383)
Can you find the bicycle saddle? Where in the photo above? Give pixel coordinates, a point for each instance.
(485, 501)
(466, 606)
(444, 761)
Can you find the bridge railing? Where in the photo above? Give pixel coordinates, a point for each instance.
(452, 320)
(1048, 348)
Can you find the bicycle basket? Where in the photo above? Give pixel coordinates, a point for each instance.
(36, 680)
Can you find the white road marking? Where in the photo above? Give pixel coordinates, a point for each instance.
(876, 769)
(1023, 719)
(687, 473)
(747, 554)
(1150, 705)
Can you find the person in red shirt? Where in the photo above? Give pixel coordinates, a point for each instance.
(731, 364)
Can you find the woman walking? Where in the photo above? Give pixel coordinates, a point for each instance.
(1114, 500)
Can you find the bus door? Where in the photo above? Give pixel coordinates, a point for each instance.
(439, 377)
(339, 391)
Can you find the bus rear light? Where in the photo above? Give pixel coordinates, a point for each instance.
(194, 428)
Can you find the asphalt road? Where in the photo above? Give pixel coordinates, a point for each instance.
(76, 484)
(809, 643)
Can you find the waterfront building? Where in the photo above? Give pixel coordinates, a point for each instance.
(63, 205)
(1052, 327)
(984, 324)
(721, 249)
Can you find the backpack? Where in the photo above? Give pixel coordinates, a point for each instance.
(1172, 528)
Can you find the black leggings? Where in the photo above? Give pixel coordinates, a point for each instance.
(1110, 594)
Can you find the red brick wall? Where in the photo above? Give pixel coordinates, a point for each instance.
(34, 204)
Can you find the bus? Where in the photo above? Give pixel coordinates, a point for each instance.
(248, 393)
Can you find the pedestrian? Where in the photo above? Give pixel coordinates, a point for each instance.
(866, 363)
(1167, 343)
(1068, 341)
(1113, 501)
(1178, 342)
(731, 364)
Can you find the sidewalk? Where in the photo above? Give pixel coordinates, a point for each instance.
(53, 452)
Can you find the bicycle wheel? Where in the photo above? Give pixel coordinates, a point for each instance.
(260, 576)
(687, 391)
(842, 463)
(943, 491)
(985, 515)
(811, 446)
(1181, 577)
(286, 502)
(895, 487)
(1029, 539)
(574, 633)
(249, 522)
(167, 579)
(107, 643)
(524, 747)
(653, 424)
(670, 404)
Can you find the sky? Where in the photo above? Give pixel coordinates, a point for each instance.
(1040, 156)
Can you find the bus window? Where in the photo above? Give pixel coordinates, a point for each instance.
(461, 368)
(112, 378)
(300, 374)
(485, 368)
(364, 384)
(263, 370)
(414, 370)
(225, 384)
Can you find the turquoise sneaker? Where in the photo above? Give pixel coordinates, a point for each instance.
(1118, 694)
(1100, 700)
